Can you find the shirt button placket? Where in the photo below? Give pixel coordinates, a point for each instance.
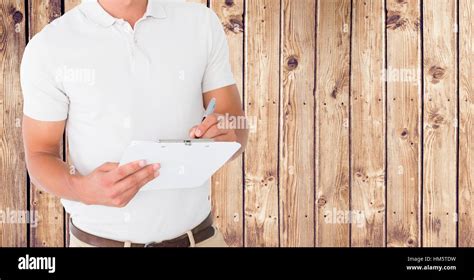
(131, 44)
(140, 66)
(142, 63)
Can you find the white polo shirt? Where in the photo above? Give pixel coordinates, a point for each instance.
(115, 84)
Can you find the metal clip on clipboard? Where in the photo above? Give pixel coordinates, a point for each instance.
(187, 142)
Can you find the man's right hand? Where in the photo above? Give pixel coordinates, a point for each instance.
(111, 185)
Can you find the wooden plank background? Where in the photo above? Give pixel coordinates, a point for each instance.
(297, 123)
(332, 118)
(466, 126)
(440, 123)
(228, 183)
(362, 124)
(368, 124)
(262, 69)
(13, 182)
(403, 124)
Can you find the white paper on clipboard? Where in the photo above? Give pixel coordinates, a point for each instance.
(184, 163)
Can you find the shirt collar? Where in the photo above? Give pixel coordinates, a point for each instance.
(155, 9)
(94, 11)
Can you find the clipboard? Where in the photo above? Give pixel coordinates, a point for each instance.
(184, 163)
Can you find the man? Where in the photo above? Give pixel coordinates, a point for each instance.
(114, 71)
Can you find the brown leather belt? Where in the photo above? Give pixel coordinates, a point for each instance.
(203, 231)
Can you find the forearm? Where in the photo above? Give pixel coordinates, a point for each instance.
(242, 137)
(50, 173)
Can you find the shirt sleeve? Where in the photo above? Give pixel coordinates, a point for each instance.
(218, 72)
(43, 98)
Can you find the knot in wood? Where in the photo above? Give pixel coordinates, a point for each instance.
(292, 63)
(17, 17)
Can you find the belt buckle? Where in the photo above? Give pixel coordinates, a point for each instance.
(151, 245)
(161, 244)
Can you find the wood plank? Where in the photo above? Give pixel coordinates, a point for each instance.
(466, 126)
(49, 232)
(403, 123)
(368, 125)
(332, 135)
(69, 4)
(297, 123)
(440, 113)
(13, 200)
(261, 103)
(227, 192)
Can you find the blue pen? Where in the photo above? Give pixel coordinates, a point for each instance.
(210, 109)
